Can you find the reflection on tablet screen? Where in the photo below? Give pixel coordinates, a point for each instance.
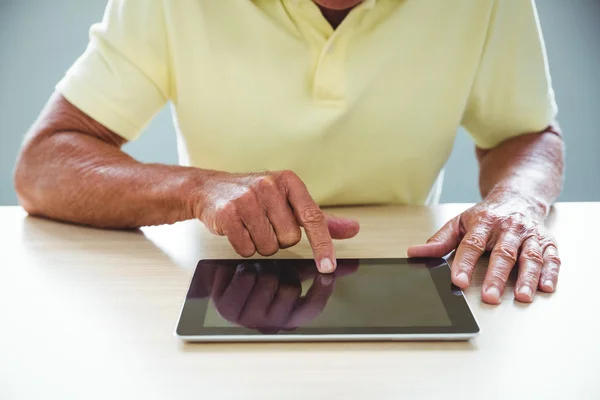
(274, 295)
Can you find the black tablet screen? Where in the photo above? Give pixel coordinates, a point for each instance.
(290, 296)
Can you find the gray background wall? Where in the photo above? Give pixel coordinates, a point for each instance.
(39, 39)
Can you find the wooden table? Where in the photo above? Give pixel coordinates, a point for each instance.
(90, 314)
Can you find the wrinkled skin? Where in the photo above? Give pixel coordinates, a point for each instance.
(514, 238)
(264, 213)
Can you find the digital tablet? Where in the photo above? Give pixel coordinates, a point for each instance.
(289, 300)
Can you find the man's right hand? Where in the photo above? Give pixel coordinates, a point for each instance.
(264, 212)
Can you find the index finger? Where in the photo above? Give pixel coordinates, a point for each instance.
(310, 216)
(344, 267)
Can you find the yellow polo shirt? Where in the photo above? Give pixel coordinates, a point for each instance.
(366, 113)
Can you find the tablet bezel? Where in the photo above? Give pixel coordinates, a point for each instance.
(463, 323)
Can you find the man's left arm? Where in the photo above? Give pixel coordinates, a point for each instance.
(528, 168)
(509, 114)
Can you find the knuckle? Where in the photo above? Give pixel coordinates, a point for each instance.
(547, 243)
(518, 223)
(321, 247)
(516, 218)
(506, 252)
(265, 183)
(290, 239)
(288, 175)
(533, 254)
(553, 259)
(474, 242)
(503, 225)
(313, 215)
(551, 273)
(488, 218)
(513, 222)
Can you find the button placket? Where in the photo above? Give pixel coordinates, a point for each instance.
(329, 80)
(330, 75)
(330, 47)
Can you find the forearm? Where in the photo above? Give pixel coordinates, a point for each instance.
(529, 167)
(74, 177)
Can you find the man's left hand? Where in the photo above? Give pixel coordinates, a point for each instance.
(512, 229)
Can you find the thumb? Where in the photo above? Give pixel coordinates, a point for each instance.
(342, 228)
(442, 243)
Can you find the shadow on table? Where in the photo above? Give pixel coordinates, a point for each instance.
(54, 240)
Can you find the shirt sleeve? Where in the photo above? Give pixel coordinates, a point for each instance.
(122, 79)
(512, 91)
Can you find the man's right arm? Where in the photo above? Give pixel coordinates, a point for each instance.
(72, 168)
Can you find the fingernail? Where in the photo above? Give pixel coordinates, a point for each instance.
(326, 266)
(462, 278)
(494, 292)
(526, 290)
(326, 280)
(549, 284)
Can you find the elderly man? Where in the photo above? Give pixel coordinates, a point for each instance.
(283, 106)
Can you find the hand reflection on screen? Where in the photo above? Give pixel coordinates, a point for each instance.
(267, 296)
